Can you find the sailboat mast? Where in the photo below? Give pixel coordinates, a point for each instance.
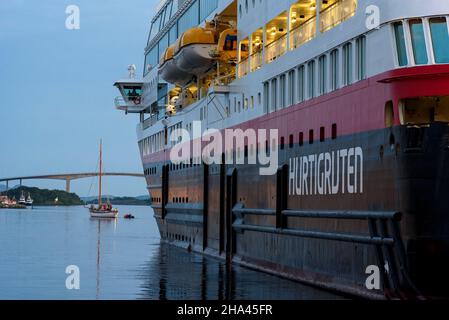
(101, 163)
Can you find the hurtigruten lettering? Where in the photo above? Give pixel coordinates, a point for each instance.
(328, 173)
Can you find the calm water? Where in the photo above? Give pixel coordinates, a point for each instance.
(120, 259)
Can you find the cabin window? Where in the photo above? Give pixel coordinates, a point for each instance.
(163, 45)
(301, 81)
(322, 73)
(290, 141)
(301, 139)
(418, 42)
(311, 78)
(190, 18)
(266, 92)
(151, 60)
(273, 94)
(291, 87)
(389, 114)
(283, 91)
(173, 33)
(424, 110)
(322, 134)
(311, 136)
(361, 58)
(347, 64)
(282, 143)
(334, 131)
(440, 39)
(400, 44)
(334, 72)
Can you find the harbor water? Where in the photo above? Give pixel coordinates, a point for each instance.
(119, 259)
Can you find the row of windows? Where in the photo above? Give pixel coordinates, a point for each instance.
(180, 200)
(291, 29)
(422, 41)
(282, 144)
(152, 144)
(156, 200)
(198, 11)
(164, 16)
(150, 171)
(335, 70)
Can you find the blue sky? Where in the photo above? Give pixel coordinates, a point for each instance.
(57, 94)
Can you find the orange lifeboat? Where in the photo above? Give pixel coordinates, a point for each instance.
(193, 50)
(169, 71)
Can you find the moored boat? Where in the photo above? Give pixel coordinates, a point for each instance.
(360, 142)
(102, 210)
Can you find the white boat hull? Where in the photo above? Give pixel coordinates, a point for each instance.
(195, 59)
(172, 74)
(108, 215)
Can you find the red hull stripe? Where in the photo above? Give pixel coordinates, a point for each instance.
(354, 109)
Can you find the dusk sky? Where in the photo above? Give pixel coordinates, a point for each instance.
(57, 98)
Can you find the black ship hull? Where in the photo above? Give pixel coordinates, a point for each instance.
(394, 219)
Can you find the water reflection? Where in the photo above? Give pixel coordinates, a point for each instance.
(174, 274)
(119, 259)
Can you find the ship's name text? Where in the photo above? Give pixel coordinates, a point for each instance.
(335, 172)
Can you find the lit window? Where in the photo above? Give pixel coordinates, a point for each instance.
(440, 39)
(418, 42)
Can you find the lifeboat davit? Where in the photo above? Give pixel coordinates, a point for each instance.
(193, 50)
(170, 72)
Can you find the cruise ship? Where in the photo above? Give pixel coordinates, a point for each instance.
(304, 138)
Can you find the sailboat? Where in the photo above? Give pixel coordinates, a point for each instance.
(103, 210)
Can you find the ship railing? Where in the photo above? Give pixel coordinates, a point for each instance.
(225, 79)
(337, 13)
(276, 49)
(303, 33)
(243, 67)
(256, 60)
(382, 228)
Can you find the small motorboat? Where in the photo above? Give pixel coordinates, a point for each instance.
(22, 199)
(29, 201)
(128, 216)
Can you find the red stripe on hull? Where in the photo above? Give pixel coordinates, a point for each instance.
(354, 109)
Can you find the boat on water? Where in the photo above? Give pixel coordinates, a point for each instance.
(22, 199)
(102, 210)
(29, 201)
(359, 143)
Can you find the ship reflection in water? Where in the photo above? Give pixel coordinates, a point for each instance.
(119, 259)
(175, 274)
